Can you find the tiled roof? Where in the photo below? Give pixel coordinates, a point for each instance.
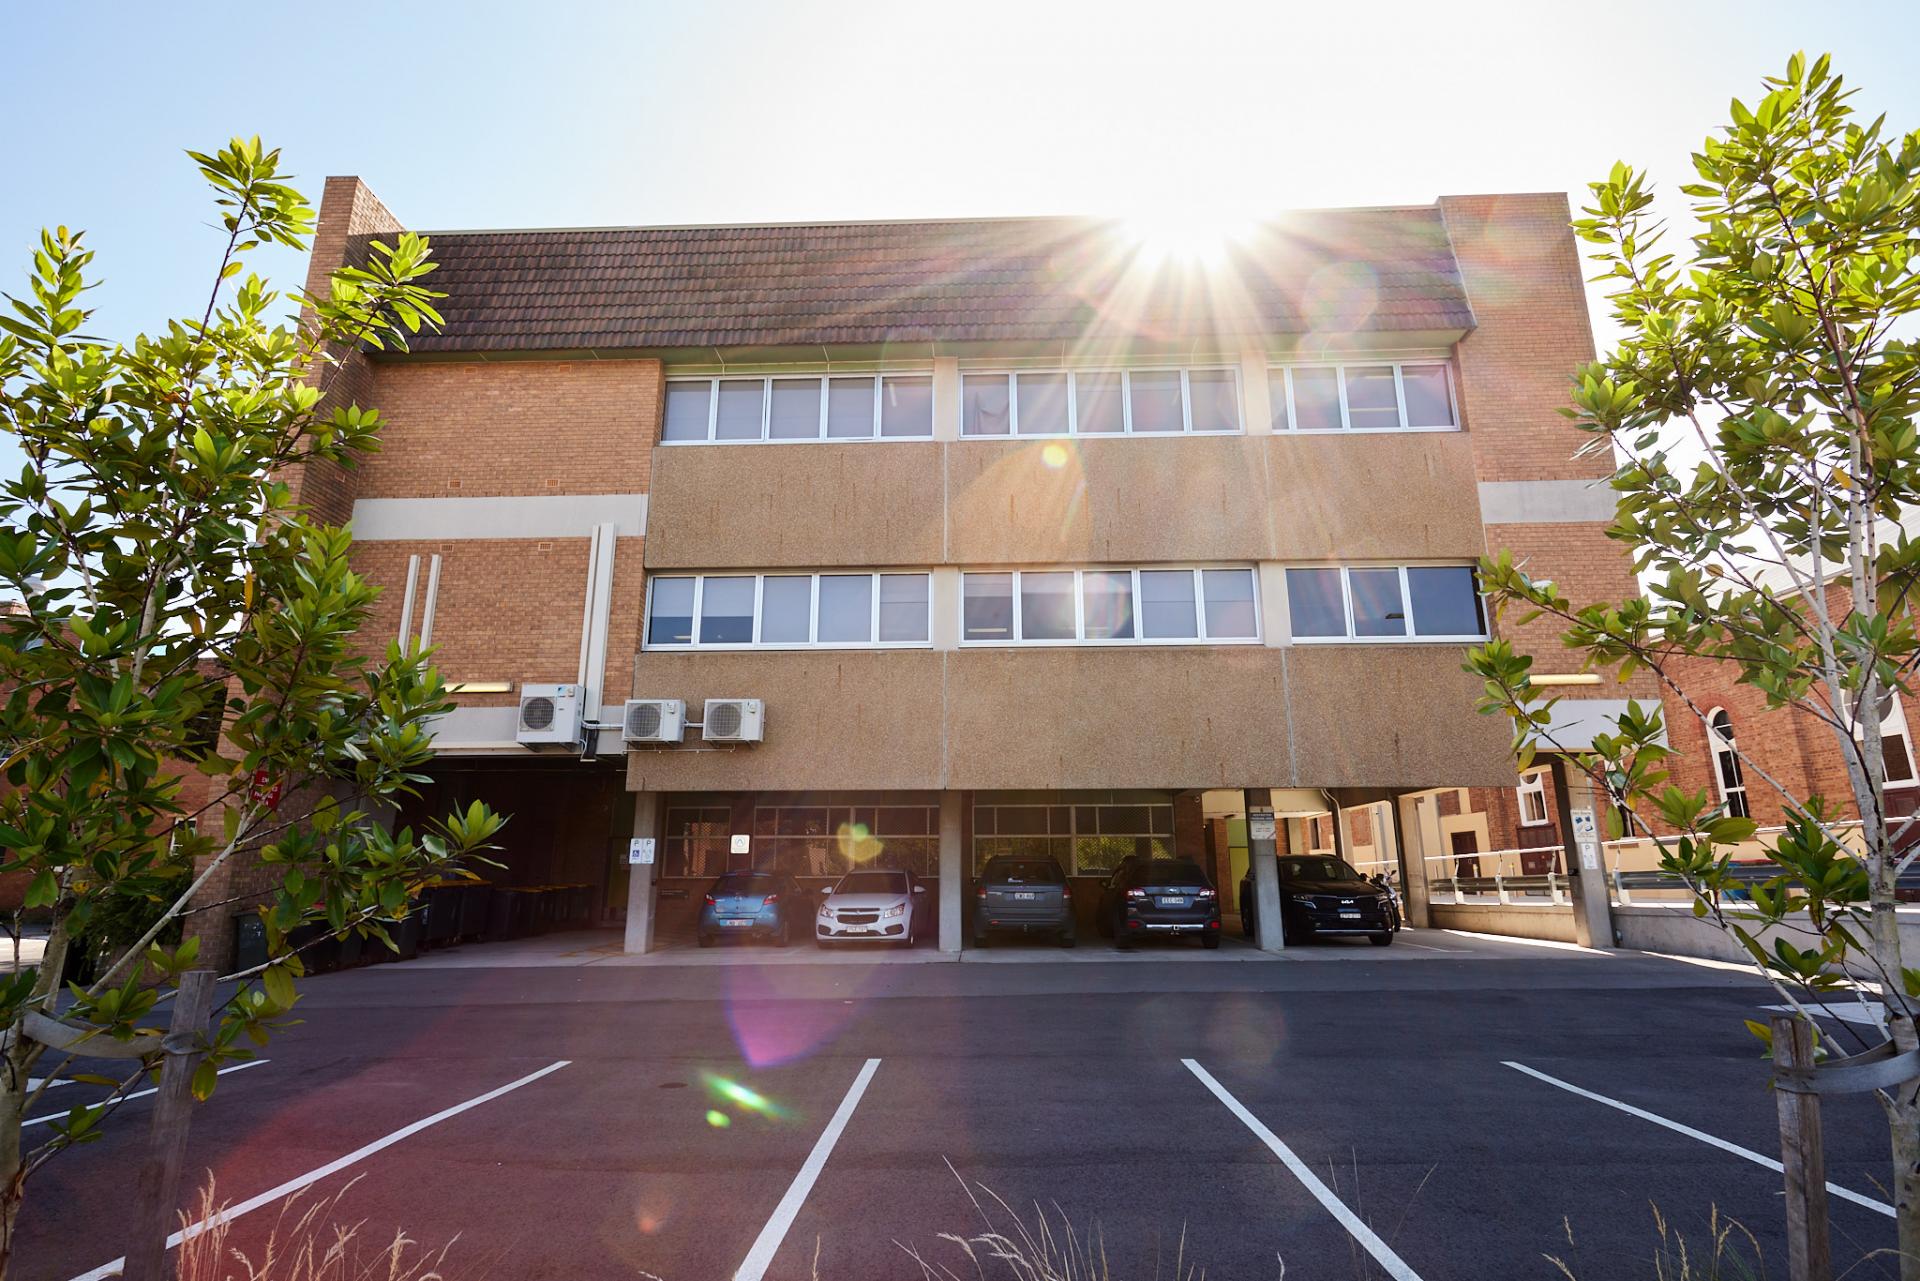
(997, 280)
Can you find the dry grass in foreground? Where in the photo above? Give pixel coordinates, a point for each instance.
(313, 1247)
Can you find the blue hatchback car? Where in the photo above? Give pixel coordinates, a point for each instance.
(750, 905)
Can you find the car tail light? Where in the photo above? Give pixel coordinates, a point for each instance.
(709, 900)
(769, 898)
(1204, 894)
(1136, 893)
(980, 892)
(1066, 893)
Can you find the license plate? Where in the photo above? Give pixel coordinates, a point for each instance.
(1022, 895)
(1172, 902)
(1349, 916)
(736, 925)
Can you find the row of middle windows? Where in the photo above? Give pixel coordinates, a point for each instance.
(1405, 396)
(1195, 605)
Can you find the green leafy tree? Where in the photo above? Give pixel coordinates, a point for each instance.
(178, 614)
(1760, 411)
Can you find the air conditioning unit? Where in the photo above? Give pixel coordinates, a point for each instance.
(549, 714)
(733, 720)
(654, 720)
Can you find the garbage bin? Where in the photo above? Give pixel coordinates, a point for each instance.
(249, 940)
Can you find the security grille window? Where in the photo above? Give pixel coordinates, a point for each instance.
(1896, 746)
(789, 611)
(1371, 397)
(1532, 793)
(1109, 606)
(1141, 402)
(1085, 837)
(1726, 764)
(829, 840)
(839, 407)
(697, 842)
(1385, 603)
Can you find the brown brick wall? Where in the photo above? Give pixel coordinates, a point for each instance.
(1523, 276)
(487, 429)
(507, 609)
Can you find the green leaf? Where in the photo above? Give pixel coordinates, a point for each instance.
(279, 986)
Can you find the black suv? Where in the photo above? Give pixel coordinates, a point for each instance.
(1321, 895)
(1159, 897)
(1030, 895)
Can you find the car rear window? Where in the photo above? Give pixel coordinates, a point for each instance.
(1025, 871)
(1316, 869)
(1170, 872)
(747, 883)
(872, 883)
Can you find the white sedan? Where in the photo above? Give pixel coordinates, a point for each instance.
(873, 905)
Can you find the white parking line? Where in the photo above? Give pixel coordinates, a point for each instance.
(137, 1094)
(1748, 1154)
(332, 1167)
(760, 1257)
(1395, 1266)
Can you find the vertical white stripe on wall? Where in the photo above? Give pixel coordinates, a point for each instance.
(604, 537)
(946, 607)
(946, 398)
(586, 611)
(1276, 628)
(406, 602)
(433, 597)
(1255, 400)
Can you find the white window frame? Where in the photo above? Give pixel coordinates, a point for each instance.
(766, 381)
(1340, 379)
(760, 578)
(1125, 375)
(1408, 636)
(1080, 637)
(1533, 787)
(1896, 719)
(1727, 744)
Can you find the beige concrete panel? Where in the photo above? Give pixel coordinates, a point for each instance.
(1071, 718)
(1398, 716)
(1091, 500)
(1368, 495)
(870, 503)
(835, 719)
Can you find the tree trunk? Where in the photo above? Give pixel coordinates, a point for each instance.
(13, 1097)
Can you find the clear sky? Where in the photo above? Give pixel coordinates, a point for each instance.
(577, 113)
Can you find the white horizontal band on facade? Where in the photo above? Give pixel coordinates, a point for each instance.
(1545, 502)
(534, 516)
(482, 731)
(1575, 721)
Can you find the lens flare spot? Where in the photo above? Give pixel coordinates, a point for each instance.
(744, 1098)
(1054, 456)
(717, 1119)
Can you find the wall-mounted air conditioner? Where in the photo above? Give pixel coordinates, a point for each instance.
(733, 720)
(654, 720)
(549, 714)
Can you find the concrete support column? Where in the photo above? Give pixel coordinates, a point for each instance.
(640, 899)
(1578, 807)
(953, 865)
(1263, 849)
(1416, 827)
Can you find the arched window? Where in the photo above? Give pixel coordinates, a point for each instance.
(1726, 763)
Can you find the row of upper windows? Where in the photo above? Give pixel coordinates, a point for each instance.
(1157, 605)
(1125, 402)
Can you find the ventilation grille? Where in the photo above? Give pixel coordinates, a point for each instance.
(643, 720)
(536, 714)
(723, 720)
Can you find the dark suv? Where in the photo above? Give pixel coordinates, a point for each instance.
(1030, 895)
(1321, 895)
(1157, 897)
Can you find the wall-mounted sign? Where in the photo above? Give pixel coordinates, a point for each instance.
(742, 843)
(1261, 826)
(640, 850)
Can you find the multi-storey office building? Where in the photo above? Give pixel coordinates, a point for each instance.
(1024, 537)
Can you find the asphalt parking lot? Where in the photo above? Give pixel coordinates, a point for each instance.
(1338, 1113)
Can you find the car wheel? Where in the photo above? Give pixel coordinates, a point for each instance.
(1380, 940)
(1210, 940)
(1121, 939)
(707, 940)
(783, 935)
(1246, 925)
(981, 938)
(1068, 937)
